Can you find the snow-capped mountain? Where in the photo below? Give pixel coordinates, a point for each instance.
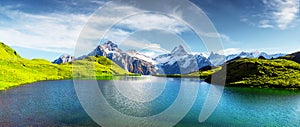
(134, 53)
(254, 55)
(217, 59)
(274, 56)
(106, 49)
(64, 59)
(180, 62)
(131, 61)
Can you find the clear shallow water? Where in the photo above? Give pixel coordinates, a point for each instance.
(55, 103)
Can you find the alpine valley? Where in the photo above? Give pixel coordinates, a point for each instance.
(178, 61)
(246, 69)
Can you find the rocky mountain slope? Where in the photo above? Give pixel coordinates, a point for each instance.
(131, 61)
(64, 59)
(180, 62)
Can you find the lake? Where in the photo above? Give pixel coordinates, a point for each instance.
(55, 103)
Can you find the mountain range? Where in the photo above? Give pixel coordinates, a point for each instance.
(263, 72)
(178, 61)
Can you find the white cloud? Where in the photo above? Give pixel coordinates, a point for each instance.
(265, 24)
(150, 54)
(244, 19)
(58, 32)
(151, 21)
(230, 51)
(143, 45)
(49, 32)
(225, 38)
(283, 12)
(97, 2)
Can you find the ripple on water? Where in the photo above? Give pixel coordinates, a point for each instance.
(54, 103)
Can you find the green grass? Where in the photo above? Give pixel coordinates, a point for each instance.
(294, 57)
(277, 73)
(15, 71)
(204, 74)
(7, 52)
(197, 74)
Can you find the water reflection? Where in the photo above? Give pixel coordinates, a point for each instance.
(145, 90)
(140, 97)
(55, 103)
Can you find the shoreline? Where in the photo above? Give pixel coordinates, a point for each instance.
(120, 77)
(113, 77)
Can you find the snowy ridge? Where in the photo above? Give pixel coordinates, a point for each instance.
(64, 59)
(178, 61)
(134, 53)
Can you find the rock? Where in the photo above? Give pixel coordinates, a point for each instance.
(131, 61)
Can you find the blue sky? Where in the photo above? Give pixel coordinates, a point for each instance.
(49, 28)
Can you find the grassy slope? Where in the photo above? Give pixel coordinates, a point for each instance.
(294, 57)
(277, 73)
(198, 74)
(203, 74)
(15, 70)
(7, 52)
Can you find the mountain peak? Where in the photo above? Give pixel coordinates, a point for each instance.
(65, 58)
(215, 54)
(179, 51)
(110, 44)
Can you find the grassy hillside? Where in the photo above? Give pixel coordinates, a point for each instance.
(203, 73)
(294, 57)
(15, 70)
(7, 52)
(277, 73)
(96, 66)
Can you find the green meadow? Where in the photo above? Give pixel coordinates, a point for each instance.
(15, 71)
(202, 74)
(261, 73)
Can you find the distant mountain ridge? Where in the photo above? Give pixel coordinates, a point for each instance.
(181, 62)
(64, 59)
(178, 61)
(218, 59)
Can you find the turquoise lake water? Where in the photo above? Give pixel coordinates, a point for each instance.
(55, 103)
